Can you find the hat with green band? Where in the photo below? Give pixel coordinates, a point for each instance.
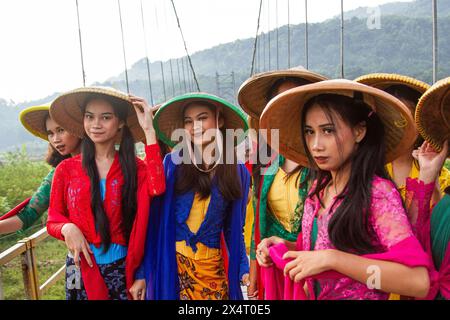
(169, 117)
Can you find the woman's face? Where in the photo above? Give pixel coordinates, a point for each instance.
(64, 142)
(198, 121)
(331, 143)
(100, 122)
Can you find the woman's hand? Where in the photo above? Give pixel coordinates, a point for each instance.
(145, 117)
(307, 263)
(137, 290)
(262, 251)
(252, 290)
(245, 280)
(76, 243)
(430, 161)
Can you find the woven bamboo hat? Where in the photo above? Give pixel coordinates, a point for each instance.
(67, 109)
(169, 117)
(33, 119)
(284, 113)
(433, 114)
(385, 80)
(252, 95)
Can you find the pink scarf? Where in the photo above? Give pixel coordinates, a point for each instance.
(280, 287)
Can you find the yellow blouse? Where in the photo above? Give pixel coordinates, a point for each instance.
(444, 178)
(249, 220)
(283, 198)
(194, 221)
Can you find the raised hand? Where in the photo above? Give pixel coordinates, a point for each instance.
(145, 117)
(430, 161)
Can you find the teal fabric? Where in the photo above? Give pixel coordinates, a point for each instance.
(115, 251)
(38, 204)
(313, 245)
(440, 230)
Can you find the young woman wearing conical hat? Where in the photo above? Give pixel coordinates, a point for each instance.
(100, 199)
(433, 228)
(281, 189)
(356, 241)
(195, 248)
(61, 145)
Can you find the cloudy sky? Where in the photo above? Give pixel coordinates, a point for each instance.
(40, 46)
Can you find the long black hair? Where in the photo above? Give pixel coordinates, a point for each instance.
(188, 177)
(127, 159)
(349, 228)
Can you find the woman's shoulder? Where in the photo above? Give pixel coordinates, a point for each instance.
(383, 186)
(69, 163)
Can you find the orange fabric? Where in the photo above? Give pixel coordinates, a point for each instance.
(202, 279)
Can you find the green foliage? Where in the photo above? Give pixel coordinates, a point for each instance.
(20, 177)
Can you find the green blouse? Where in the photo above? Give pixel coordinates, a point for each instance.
(269, 225)
(38, 204)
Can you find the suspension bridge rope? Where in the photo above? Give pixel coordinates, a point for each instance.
(278, 37)
(81, 45)
(289, 32)
(306, 36)
(256, 39)
(184, 75)
(268, 29)
(146, 57)
(185, 46)
(179, 76)
(123, 47)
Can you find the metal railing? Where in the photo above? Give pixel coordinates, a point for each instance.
(26, 250)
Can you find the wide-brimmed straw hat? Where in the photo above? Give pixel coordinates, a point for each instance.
(433, 114)
(169, 117)
(252, 95)
(33, 119)
(385, 80)
(284, 113)
(67, 110)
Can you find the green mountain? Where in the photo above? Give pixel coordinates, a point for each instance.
(416, 9)
(403, 44)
